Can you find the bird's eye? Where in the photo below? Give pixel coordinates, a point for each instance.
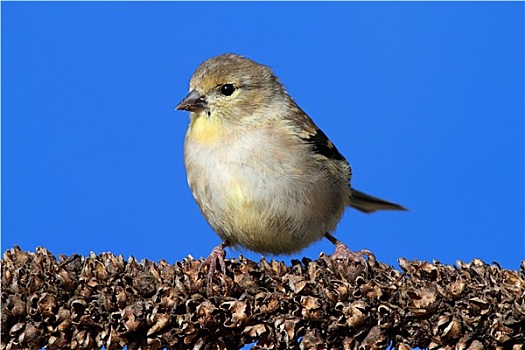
(227, 89)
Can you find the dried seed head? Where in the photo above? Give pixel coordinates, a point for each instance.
(107, 301)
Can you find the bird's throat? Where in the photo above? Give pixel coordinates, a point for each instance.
(206, 129)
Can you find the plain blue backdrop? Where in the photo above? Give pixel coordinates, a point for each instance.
(425, 100)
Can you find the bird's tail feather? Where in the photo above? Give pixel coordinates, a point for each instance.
(368, 204)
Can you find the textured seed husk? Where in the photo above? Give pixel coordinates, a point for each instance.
(107, 301)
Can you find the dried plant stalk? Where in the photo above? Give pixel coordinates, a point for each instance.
(90, 302)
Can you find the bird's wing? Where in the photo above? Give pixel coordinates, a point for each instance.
(311, 134)
(322, 145)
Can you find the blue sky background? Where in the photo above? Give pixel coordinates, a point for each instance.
(425, 100)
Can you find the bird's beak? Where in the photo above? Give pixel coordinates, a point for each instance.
(193, 102)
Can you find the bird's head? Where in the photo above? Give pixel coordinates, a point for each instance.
(232, 87)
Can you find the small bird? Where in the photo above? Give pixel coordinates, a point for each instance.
(264, 175)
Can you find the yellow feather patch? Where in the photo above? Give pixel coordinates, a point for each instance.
(237, 194)
(206, 130)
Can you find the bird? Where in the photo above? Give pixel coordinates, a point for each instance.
(263, 174)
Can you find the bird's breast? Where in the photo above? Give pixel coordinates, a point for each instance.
(259, 189)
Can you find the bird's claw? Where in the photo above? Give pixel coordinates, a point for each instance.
(217, 254)
(342, 252)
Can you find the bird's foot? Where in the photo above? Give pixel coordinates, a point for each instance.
(343, 253)
(217, 254)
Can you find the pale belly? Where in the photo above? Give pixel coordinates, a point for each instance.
(254, 201)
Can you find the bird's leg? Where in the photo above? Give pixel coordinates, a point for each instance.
(342, 251)
(217, 254)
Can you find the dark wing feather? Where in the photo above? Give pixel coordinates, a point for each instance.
(322, 145)
(311, 134)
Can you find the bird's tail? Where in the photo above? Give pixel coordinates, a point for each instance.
(368, 204)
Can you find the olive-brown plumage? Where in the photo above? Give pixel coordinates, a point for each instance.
(263, 174)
